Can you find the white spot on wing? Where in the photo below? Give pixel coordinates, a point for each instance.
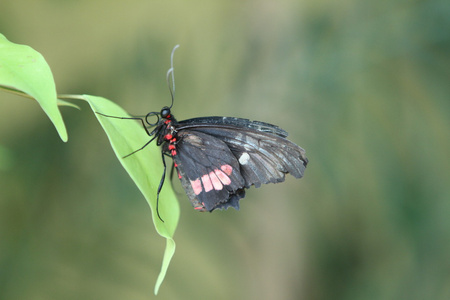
(243, 160)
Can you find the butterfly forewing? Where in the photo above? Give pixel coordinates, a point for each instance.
(231, 122)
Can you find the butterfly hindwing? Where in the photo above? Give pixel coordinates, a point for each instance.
(208, 170)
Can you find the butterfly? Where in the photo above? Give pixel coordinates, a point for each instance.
(218, 158)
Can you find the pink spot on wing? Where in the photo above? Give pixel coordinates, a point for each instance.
(215, 181)
(196, 186)
(207, 183)
(222, 177)
(227, 169)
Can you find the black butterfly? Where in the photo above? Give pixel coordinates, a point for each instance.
(217, 158)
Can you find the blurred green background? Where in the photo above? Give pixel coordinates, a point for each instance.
(363, 86)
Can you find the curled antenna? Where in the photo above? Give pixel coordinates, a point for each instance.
(170, 76)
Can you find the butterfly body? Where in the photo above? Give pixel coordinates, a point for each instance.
(217, 158)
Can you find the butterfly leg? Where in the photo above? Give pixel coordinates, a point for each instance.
(171, 173)
(161, 183)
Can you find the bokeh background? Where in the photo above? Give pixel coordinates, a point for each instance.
(363, 86)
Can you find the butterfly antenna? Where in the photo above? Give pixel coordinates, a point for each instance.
(171, 77)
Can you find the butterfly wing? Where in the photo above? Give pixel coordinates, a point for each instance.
(218, 157)
(208, 170)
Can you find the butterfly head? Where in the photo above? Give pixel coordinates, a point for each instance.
(165, 112)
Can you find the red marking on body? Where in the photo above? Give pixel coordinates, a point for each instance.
(166, 121)
(227, 169)
(171, 147)
(168, 136)
(215, 181)
(179, 175)
(222, 177)
(207, 184)
(175, 165)
(173, 152)
(196, 186)
(199, 207)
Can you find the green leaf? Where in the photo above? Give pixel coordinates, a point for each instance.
(24, 69)
(144, 167)
(66, 103)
